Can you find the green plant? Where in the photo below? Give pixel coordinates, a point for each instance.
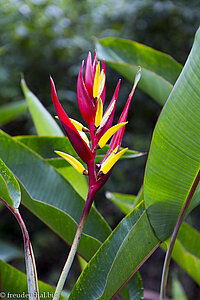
(171, 181)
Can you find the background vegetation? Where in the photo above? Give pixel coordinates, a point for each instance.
(42, 37)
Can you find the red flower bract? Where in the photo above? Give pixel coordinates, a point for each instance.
(77, 142)
(91, 97)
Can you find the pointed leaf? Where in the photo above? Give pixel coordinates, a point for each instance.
(43, 121)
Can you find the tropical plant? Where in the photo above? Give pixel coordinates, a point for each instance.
(31, 173)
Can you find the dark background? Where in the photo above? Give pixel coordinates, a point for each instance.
(42, 37)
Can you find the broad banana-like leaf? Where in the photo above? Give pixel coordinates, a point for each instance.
(174, 157)
(186, 250)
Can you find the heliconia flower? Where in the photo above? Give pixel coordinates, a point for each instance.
(78, 143)
(91, 97)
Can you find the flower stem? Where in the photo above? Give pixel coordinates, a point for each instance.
(174, 236)
(72, 253)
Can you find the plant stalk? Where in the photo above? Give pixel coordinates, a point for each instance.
(72, 253)
(31, 272)
(174, 236)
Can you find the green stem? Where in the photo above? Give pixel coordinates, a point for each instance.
(174, 236)
(72, 253)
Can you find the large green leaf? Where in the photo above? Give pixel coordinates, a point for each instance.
(124, 251)
(174, 158)
(159, 71)
(43, 121)
(186, 250)
(15, 282)
(9, 112)
(48, 195)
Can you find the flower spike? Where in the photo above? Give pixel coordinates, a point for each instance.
(91, 97)
(103, 140)
(74, 162)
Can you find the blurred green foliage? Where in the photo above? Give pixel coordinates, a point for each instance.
(42, 37)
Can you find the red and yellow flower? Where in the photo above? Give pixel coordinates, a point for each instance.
(91, 98)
